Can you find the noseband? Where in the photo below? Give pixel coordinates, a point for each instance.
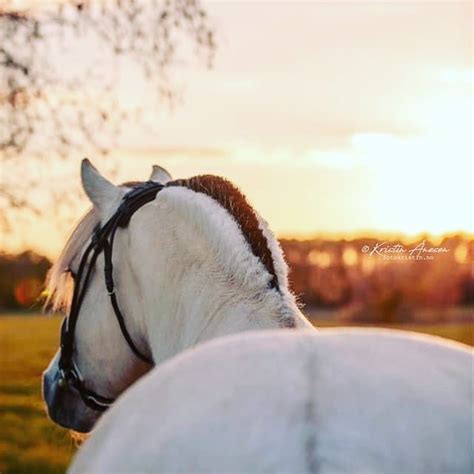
(102, 241)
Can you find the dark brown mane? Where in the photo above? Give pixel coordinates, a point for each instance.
(131, 184)
(231, 198)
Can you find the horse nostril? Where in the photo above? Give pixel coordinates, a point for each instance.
(61, 382)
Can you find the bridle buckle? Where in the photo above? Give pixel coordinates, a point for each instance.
(62, 381)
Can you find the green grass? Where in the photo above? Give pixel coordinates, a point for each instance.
(460, 332)
(29, 441)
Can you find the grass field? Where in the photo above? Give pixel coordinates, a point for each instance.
(457, 332)
(29, 442)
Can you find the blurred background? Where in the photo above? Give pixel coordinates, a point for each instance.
(347, 125)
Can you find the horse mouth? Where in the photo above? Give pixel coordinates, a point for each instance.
(65, 407)
(68, 419)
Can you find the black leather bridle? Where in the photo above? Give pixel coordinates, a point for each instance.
(102, 241)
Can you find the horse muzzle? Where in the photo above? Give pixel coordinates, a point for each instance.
(64, 404)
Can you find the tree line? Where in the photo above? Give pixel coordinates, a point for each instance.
(329, 275)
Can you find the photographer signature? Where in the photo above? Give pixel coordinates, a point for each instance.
(385, 248)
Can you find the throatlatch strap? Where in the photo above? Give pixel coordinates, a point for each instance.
(109, 282)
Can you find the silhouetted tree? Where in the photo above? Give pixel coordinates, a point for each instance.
(61, 63)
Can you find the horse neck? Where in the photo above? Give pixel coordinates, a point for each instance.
(206, 287)
(196, 309)
(186, 307)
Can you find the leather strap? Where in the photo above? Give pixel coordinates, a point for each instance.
(102, 241)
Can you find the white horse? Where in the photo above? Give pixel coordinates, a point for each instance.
(195, 263)
(343, 401)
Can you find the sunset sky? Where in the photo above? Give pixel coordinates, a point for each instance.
(333, 118)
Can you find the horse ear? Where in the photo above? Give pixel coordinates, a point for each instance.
(160, 175)
(101, 192)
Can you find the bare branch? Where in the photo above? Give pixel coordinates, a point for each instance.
(51, 104)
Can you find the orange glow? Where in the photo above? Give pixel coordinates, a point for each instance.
(350, 256)
(27, 291)
(461, 253)
(320, 259)
(326, 116)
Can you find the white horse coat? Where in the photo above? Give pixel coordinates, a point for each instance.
(343, 401)
(197, 264)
